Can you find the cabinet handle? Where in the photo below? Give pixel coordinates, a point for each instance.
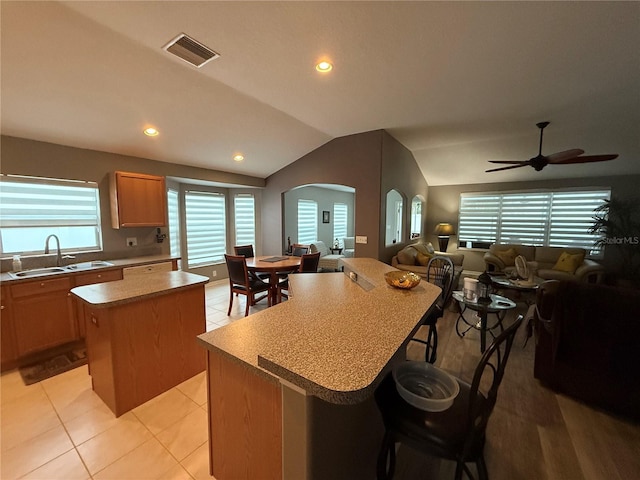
(94, 320)
(2, 307)
(69, 294)
(42, 284)
(99, 276)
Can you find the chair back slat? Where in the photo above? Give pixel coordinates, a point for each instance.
(440, 272)
(237, 267)
(244, 250)
(309, 262)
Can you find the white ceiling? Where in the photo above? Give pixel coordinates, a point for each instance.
(458, 83)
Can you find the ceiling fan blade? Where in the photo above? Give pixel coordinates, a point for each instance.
(588, 158)
(561, 156)
(510, 162)
(507, 168)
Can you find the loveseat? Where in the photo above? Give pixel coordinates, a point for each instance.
(548, 263)
(327, 261)
(414, 258)
(587, 343)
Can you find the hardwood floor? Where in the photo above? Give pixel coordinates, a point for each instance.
(533, 433)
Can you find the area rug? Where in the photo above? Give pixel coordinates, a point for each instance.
(51, 367)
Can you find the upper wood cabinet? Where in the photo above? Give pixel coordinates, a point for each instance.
(137, 200)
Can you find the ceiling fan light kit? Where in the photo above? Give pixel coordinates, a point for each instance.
(560, 158)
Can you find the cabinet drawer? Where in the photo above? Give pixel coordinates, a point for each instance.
(39, 287)
(143, 269)
(98, 277)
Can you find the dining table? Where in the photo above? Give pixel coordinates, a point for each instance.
(275, 266)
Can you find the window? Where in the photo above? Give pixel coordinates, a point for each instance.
(173, 210)
(416, 217)
(307, 221)
(245, 215)
(340, 213)
(205, 228)
(394, 217)
(33, 208)
(557, 218)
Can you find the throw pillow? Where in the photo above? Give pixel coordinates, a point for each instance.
(569, 263)
(422, 259)
(430, 248)
(508, 257)
(407, 256)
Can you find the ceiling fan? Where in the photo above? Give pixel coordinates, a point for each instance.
(541, 161)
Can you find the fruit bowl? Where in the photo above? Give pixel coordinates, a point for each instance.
(400, 279)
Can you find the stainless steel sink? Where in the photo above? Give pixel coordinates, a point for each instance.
(89, 265)
(38, 272)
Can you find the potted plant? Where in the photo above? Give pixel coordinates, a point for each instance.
(617, 222)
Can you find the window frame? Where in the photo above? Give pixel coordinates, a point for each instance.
(207, 225)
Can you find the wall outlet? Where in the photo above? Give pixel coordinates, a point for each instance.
(132, 241)
(361, 239)
(214, 273)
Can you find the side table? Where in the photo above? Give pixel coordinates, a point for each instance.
(336, 251)
(499, 305)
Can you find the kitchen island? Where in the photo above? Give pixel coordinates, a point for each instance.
(141, 335)
(290, 388)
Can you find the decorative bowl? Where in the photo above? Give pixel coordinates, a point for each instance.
(400, 279)
(424, 386)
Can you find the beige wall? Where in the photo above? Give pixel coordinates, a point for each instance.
(443, 203)
(372, 163)
(30, 157)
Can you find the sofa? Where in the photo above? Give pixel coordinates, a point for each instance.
(327, 261)
(414, 258)
(587, 343)
(548, 263)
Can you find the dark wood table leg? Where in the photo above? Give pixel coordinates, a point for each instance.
(483, 330)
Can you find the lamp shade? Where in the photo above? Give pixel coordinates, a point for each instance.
(444, 229)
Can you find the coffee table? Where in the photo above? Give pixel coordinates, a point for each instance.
(502, 283)
(499, 305)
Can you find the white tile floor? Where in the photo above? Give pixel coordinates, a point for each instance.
(60, 429)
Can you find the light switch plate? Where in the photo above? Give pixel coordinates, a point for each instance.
(361, 239)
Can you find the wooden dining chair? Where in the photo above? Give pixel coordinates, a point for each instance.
(308, 264)
(247, 251)
(241, 283)
(297, 249)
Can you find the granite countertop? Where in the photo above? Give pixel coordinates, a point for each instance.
(332, 338)
(118, 263)
(118, 292)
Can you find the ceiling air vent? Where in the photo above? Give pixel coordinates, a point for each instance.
(190, 50)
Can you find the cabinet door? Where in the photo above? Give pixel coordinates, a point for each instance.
(7, 335)
(89, 279)
(43, 315)
(138, 200)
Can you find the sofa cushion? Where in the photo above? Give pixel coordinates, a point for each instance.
(422, 259)
(319, 246)
(348, 243)
(507, 256)
(527, 251)
(568, 262)
(407, 256)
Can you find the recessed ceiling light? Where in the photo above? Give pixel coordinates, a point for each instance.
(238, 158)
(324, 67)
(151, 132)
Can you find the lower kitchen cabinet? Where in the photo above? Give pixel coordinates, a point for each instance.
(43, 314)
(89, 279)
(8, 353)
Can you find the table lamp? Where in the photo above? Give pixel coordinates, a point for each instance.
(443, 231)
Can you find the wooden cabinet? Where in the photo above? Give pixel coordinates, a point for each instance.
(89, 279)
(137, 200)
(43, 314)
(8, 353)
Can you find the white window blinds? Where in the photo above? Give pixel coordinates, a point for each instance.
(340, 213)
(174, 222)
(33, 208)
(307, 221)
(205, 228)
(549, 218)
(245, 219)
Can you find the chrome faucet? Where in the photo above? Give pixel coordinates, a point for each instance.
(46, 249)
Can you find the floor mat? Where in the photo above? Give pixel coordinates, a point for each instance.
(51, 367)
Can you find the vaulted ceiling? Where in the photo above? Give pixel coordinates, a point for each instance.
(458, 83)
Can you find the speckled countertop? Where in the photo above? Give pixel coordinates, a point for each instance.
(129, 290)
(118, 263)
(332, 338)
